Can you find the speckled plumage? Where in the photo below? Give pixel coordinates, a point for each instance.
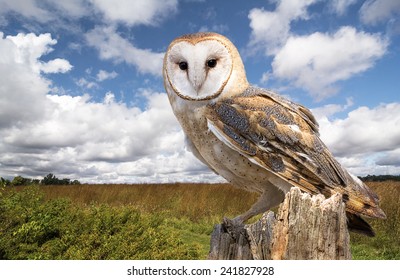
(254, 138)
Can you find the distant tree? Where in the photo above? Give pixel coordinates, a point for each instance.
(380, 178)
(64, 181)
(35, 181)
(21, 181)
(49, 179)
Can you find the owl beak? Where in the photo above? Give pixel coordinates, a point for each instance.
(197, 78)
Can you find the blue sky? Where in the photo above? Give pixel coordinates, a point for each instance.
(81, 90)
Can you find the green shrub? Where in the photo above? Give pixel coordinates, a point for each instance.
(32, 228)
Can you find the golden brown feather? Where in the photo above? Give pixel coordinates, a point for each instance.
(282, 137)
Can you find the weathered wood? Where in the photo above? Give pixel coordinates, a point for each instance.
(305, 227)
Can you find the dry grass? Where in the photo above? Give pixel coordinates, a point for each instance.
(386, 244)
(195, 201)
(192, 209)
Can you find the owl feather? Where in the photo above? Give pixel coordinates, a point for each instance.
(282, 137)
(254, 138)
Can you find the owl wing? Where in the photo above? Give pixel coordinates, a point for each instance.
(282, 137)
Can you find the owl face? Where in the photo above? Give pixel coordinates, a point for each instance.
(198, 68)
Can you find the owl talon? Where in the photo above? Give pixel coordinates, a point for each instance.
(235, 227)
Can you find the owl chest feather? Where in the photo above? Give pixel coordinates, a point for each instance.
(230, 164)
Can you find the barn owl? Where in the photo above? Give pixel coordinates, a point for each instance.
(254, 138)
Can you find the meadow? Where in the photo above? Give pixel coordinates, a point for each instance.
(160, 221)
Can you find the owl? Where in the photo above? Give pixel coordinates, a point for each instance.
(254, 138)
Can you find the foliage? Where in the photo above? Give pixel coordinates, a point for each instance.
(21, 181)
(380, 178)
(386, 244)
(49, 179)
(32, 228)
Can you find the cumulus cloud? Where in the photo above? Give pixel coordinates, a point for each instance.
(29, 48)
(149, 12)
(315, 62)
(365, 130)
(57, 65)
(23, 89)
(111, 46)
(270, 29)
(76, 137)
(375, 11)
(366, 140)
(102, 142)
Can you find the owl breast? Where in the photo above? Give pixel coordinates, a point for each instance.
(231, 165)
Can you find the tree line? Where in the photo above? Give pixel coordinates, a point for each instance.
(49, 179)
(380, 178)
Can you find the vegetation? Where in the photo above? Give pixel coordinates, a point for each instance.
(167, 221)
(386, 244)
(49, 179)
(380, 178)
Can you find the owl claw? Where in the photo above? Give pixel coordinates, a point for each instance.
(235, 227)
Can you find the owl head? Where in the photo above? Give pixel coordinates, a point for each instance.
(203, 66)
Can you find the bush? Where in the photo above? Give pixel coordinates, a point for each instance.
(33, 228)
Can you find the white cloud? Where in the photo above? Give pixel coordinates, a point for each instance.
(23, 89)
(265, 77)
(75, 137)
(366, 140)
(329, 110)
(74, 8)
(270, 29)
(375, 11)
(315, 62)
(340, 6)
(57, 65)
(104, 75)
(112, 46)
(103, 142)
(27, 8)
(45, 11)
(149, 12)
(29, 48)
(364, 130)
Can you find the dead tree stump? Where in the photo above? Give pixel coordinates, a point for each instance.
(305, 227)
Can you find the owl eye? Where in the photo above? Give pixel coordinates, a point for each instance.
(211, 63)
(183, 65)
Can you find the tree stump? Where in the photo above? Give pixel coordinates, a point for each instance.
(305, 227)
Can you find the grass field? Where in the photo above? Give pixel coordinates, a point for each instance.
(171, 221)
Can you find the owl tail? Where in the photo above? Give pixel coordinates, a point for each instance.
(356, 224)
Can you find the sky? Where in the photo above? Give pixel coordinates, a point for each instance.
(82, 96)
